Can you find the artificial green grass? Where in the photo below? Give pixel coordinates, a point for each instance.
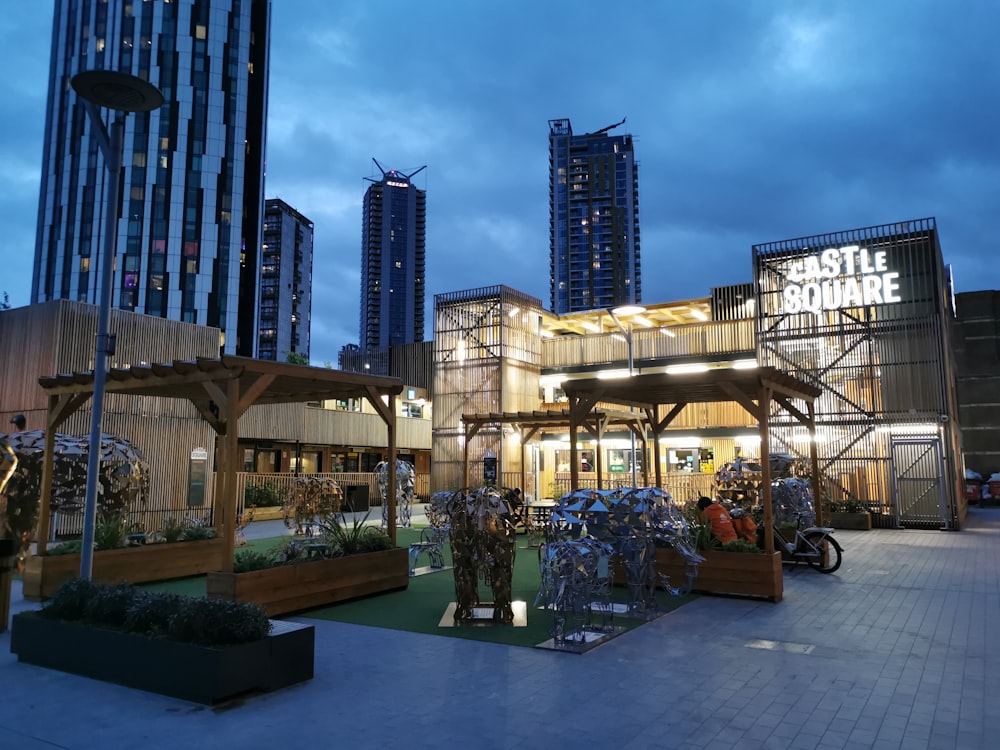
(422, 604)
(420, 607)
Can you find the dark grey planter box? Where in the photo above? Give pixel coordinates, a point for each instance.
(202, 674)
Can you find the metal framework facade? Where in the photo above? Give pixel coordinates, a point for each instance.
(487, 355)
(864, 315)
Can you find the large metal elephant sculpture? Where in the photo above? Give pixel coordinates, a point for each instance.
(482, 522)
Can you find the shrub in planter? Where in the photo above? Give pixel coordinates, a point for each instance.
(247, 560)
(195, 531)
(355, 539)
(172, 529)
(741, 545)
(208, 622)
(198, 649)
(72, 547)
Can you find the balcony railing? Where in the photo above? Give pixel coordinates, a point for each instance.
(699, 340)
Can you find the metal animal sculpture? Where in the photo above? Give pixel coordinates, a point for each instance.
(482, 547)
(406, 480)
(633, 522)
(576, 586)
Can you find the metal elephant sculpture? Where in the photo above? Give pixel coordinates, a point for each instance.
(483, 524)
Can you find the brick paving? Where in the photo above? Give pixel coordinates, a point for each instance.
(895, 650)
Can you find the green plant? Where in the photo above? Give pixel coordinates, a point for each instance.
(741, 545)
(109, 605)
(354, 539)
(701, 530)
(172, 529)
(150, 613)
(208, 622)
(247, 560)
(196, 531)
(70, 600)
(111, 532)
(850, 505)
(215, 622)
(264, 495)
(72, 547)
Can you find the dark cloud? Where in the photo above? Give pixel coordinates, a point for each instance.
(755, 120)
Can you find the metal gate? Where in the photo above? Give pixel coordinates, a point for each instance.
(918, 483)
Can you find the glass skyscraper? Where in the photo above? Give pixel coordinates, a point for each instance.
(392, 261)
(285, 282)
(593, 219)
(191, 201)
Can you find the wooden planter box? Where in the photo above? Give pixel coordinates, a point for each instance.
(203, 674)
(318, 583)
(269, 513)
(730, 573)
(856, 521)
(148, 562)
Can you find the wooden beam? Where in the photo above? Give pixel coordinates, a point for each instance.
(230, 441)
(765, 469)
(790, 408)
(743, 400)
(250, 395)
(671, 416)
(48, 455)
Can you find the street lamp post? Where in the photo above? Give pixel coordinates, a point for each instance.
(614, 313)
(122, 93)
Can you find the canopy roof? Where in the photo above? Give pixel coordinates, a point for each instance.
(222, 390)
(287, 383)
(645, 391)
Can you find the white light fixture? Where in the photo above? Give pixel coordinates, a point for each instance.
(685, 369)
(699, 314)
(629, 310)
(612, 374)
(668, 332)
(591, 326)
(643, 321)
(744, 364)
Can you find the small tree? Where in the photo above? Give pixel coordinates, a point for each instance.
(297, 359)
(5, 303)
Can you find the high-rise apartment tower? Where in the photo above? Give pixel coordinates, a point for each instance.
(392, 261)
(593, 219)
(285, 282)
(191, 201)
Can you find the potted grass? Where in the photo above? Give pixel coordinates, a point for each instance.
(194, 648)
(341, 562)
(115, 561)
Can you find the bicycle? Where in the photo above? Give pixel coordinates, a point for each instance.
(814, 545)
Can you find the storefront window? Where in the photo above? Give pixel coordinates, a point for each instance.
(694, 460)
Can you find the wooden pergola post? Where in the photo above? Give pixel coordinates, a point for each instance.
(764, 408)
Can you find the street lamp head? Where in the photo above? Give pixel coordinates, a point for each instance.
(116, 90)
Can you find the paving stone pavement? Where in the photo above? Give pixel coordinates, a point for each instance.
(895, 650)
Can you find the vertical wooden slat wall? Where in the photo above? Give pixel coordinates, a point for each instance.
(59, 336)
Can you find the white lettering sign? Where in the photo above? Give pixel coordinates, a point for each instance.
(849, 276)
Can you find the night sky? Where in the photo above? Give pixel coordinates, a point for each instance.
(753, 121)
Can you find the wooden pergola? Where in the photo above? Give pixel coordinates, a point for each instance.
(221, 390)
(528, 424)
(662, 397)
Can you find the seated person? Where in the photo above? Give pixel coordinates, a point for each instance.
(718, 518)
(743, 524)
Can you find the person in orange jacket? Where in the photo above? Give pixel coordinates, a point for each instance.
(718, 518)
(743, 524)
